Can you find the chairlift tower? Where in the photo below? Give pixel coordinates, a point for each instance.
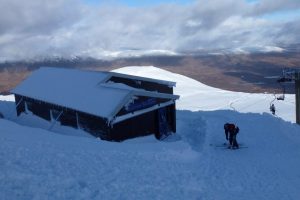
(293, 75)
(297, 94)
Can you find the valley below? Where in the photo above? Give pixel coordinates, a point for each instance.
(234, 72)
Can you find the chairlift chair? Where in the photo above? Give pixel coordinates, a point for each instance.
(280, 98)
(281, 82)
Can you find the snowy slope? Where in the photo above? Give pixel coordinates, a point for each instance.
(196, 96)
(39, 164)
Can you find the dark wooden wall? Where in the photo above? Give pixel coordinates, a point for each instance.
(97, 126)
(145, 124)
(20, 106)
(94, 125)
(171, 112)
(141, 125)
(146, 85)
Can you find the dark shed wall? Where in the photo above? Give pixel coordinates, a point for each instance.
(20, 105)
(141, 125)
(68, 118)
(39, 108)
(171, 117)
(96, 126)
(146, 85)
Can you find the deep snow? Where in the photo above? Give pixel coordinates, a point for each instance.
(37, 163)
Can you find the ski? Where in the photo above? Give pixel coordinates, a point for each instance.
(226, 146)
(219, 145)
(240, 147)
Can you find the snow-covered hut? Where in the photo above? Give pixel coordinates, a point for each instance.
(108, 105)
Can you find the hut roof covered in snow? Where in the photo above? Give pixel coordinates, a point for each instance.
(86, 91)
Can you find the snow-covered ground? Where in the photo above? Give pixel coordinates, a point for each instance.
(38, 163)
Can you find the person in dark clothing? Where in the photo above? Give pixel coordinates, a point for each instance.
(233, 131)
(272, 109)
(226, 129)
(231, 128)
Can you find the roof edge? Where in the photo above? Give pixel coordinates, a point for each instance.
(140, 112)
(156, 94)
(169, 83)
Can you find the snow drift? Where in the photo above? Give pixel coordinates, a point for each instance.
(39, 164)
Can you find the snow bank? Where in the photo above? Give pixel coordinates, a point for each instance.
(39, 164)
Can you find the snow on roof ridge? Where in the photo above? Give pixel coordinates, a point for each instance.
(155, 94)
(117, 74)
(114, 85)
(65, 68)
(82, 90)
(169, 83)
(137, 91)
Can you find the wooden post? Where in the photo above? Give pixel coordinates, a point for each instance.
(297, 95)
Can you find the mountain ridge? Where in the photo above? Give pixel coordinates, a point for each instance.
(236, 72)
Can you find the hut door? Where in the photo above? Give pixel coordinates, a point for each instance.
(163, 127)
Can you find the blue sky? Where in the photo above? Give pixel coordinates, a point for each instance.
(283, 15)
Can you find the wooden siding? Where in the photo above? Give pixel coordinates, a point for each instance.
(146, 85)
(20, 105)
(141, 125)
(68, 118)
(96, 126)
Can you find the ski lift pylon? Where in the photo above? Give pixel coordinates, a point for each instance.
(286, 77)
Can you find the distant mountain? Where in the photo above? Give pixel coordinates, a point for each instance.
(243, 72)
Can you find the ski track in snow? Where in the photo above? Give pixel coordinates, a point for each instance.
(38, 164)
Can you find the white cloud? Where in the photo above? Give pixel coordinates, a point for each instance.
(33, 29)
